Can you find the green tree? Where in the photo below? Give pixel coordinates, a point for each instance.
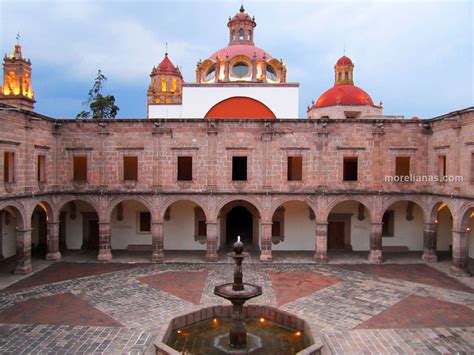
(101, 106)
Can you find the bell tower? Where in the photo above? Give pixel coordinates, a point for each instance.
(16, 89)
(166, 84)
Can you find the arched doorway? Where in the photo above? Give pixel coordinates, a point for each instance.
(39, 232)
(239, 218)
(239, 222)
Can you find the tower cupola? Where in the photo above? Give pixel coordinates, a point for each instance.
(241, 27)
(166, 84)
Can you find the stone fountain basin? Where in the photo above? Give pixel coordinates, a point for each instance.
(275, 315)
(226, 291)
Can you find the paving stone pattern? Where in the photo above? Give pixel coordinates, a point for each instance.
(336, 301)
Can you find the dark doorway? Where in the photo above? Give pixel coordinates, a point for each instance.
(93, 238)
(239, 221)
(41, 248)
(336, 235)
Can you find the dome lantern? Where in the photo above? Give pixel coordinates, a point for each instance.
(241, 27)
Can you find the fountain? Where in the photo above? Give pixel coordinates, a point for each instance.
(237, 329)
(238, 293)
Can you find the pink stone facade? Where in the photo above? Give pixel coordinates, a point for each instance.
(323, 144)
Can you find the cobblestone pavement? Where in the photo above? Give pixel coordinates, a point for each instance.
(346, 308)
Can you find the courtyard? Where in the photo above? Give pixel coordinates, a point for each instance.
(79, 305)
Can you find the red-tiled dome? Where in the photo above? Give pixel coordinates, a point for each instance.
(241, 49)
(344, 61)
(344, 95)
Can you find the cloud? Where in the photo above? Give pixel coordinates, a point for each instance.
(415, 56)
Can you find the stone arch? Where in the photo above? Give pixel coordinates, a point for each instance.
(414, 199)
(282, 200)
(226, 209)
(434, 208)
(62, 203)
(18, 210)
(338, 200)
(83, 235)
(293, 223)
(256, 204)
(464, 216)
(144, 201)
(167, 203)
(47, 206)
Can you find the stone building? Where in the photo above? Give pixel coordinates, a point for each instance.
(240, 163)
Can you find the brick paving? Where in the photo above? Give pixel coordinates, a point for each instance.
(336, 301)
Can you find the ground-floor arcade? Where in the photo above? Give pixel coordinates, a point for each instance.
(374, 224)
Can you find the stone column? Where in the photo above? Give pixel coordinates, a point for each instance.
(53, 241)
(375, 255)
(157, 255)
(23, 251)
(105, 249)
(321, 254)
(460, 254)
(211, 252)
(429, 242)
(266, 242)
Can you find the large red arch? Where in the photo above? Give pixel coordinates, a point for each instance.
(240, 107)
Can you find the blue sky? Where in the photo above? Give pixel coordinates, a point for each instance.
(414, 56)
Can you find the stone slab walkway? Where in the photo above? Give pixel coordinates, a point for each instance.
(120, 309)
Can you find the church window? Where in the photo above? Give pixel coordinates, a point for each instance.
(163, 84)
(250, 35)
(346, 75)
(80, 168)
(9, 167)
(211, 73)
(350, 169)
(130, 168)
(295, 168)
(41, 168)
(173, 84)
(241, 34)
(239, 168)
(339, 76)
(402, 166)
(271, 73)
(185, 168)
(240, 69)
(233, 35)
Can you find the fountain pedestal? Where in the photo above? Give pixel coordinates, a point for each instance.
(238, 293)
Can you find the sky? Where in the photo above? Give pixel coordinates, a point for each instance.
(414, 56)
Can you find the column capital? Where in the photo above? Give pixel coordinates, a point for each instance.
(52, 223)
(266, 223)
(376, 223)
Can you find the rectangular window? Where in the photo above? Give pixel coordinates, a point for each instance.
(402, 166)
(295, 168)
(442, 165)
(80, 168)
(239, 168)
(145, 222)
(388, 224)
(185, 168)
(350, 169)
(202, 229)
(130, 168)
(41, 168)
(9, 167)
(276, 226)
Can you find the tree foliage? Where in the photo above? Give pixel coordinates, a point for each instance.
(101, 106)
